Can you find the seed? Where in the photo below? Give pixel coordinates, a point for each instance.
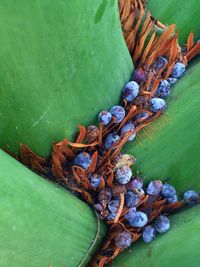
(191, 197)
(128, 127)
(123, 174)
(105, 117)
(154, 187)
(178, 70)
(139, 76)
(130, 91)
(157, 104)
(171, 80)
(160, 62)
(123, 240)
(130, 215)
(140, 219)
(132, 199)
(105, 195)
(95, 180)
(118, 113)
(136, 183)
(162, 224)
(163, 89)
(110, 140)
(148, 234)
(168, 191)
(83, 160)
(113, 205)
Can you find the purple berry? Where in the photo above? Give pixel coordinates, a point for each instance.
(148, 234)
(163, 89)
(130, 215)
(132, 199)
(105, 195)
(95, 180)
(105, 117)
(171, 80)
(111, 216)
(123, 240)
(118, 113)
(139, 76)
(123, 175)
(162, 224)
(140, 219)
(178, 70)
(130, 91)
(128, 127)
(142, 116)
(136, 183)
(168, 191)
(191, 197)
(172, 200)
(113, 205)
(160, 62)
(98, 207)
(83, 160)
(157, 104)
(154, 187)
(110, 140)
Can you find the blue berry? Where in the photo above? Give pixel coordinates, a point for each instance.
(142, 116)
(130, 215)
(162, 224)
(171, 80)
(178, 70)
(110, 140)
(118, 113)
(157, 104)
(113, 205)
(168, 191)
(128, 127)
(191, 197)
(139, 76)
(105, 195)
(163, 89)
(123, 175)
(111, 216)
(160, 62)
(98, 207)
(136, 183)
(132, 199)
(172, 200)
(148, 234)
(154, 187)
(140, 219)
(130, 91)
(83, 160)
(105, 117)
(123, 240)
(95, 180)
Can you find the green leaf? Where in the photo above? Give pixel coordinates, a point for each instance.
(184, 13)
(42, 225)
(179, 247)
(169, 148)
(61, 63)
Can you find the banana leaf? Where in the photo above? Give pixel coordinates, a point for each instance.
(62, 62)
(43, 225)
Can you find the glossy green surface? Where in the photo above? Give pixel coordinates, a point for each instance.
(41, 224)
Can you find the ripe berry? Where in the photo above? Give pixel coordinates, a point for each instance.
(105, 195)
(142, 116)
(110, 140)
(168, 191)
(113, 205)
(157, 104)
(98, 207)
(140, 219)
(163, 89)
(139, 76)
(171, 80)
(111, 216)
(105, 117)
(118, 113)
(178, 70)
(128, 127)
(123, 175)
(173, 199)
(132, 199)
(162, 224)
(130, 91)
(160, 63)
(83, 160)
(95, 180)
(191, 196)
(154, 187)
(136, 183)
(130, 215)
(123, 240)
(148, 234)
